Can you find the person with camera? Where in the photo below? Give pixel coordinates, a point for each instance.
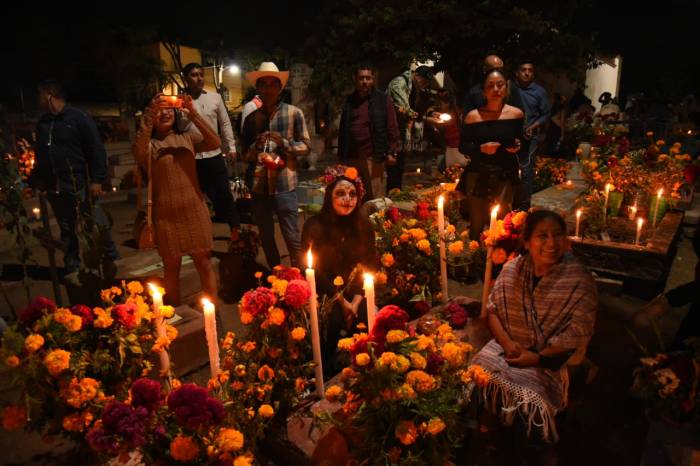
(211, 165)
(71, 167)
(181, 218)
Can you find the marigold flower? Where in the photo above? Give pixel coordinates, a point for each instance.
(417, 233)
(229, 440)
(170, 332)
(423, 246)
(266, 373)
(228, 340)
(135, 287)
(266, 411)
(333, 393)
(77, 393)
(519, 218)
(73, 323)
(395, 336)
(418, 361)
(348, 373)
(14, 417)
(300, 384)
(103, 319)
(498, 256)
(660, 142)
(386, 359)
(425, 342)
(406, 392)
(450, 230)
(276, 316)
(12, 361)
(362, 359)
(475, 374)
(57, 361)
(167, 311)
(280, 286)
(401, 365)
(381, 278)
(33, 342)
(77, 422)
(453, 353)
(435, 426)
(338, 281)
(456, 247)
(345, 344)
(184, 448)
(246, 318)
(243, 460)
(298, 334)
(248, 346)
(387, 259)
(406, 432)
(421, 381)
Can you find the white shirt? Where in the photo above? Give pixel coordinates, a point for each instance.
(212, 109)
(250, 106)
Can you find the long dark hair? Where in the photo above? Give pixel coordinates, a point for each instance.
(178, 124)
(538, 216)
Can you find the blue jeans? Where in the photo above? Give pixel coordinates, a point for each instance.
(286, 207)
(526, 158)
(65, 208)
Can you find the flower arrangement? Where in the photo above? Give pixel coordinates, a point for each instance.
(408, 247)
(247, 245)
(63, 362)
(265, 371)
(550, 171)
(25, 158)
(504, 238)
(454, 172)
(402, 392)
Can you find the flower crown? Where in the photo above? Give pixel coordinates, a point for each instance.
(335, 172)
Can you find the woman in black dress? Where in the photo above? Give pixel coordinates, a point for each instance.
(491, 138)
(341, 238)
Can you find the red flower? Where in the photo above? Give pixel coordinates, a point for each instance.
(287, 273)
(194, 408)
(146, 393)
(85, 314)
(258, 301)
(456, 315)
(393, 214)
(612, 161)
(125, 314)
(38, 307)
(388, 318)
(360, 346)
(422, 210)
(297, 293)
(421, 308)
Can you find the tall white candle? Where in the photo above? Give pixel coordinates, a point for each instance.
(212, 339)
(315, 336)
(368, 286)
(489, 262)
(656, 207)
(578, 223)
(443, 255)
(640, 222)
(160, 326)
(605, 206)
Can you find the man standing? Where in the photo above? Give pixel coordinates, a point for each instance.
(71, 166)
(537, 111)
(211, 166)
(273, 137)
(411, 102)
(368, 132)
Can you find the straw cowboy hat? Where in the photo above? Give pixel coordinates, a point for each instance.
(267, 68)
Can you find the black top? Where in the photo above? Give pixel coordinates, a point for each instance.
(503, 131)
(68, 151)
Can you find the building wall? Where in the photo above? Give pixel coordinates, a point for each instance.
(605, 77)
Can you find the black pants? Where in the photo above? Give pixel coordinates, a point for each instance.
(394, 173)
(213, 181)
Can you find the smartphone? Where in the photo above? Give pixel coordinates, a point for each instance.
(171, 101)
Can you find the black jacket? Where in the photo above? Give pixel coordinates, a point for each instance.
(379, 126)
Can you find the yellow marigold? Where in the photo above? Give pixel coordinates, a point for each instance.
(62, 315)
(338, 281)
(134, 287)
(280, 287)
(499, 256)
(12, 361)
(57, 361)
(401, 365)
(243, 460)
(76, 394)
(348, 373)
(276, 316)
(184, 448)
(406, 432)
(73, 324)
(298, 334)
(229, 440)
(167, 311)
(395, 336)
(246, 318)
(386, 359)
(110, 293)
(418, 361)
(228, 341)
(519, 218)
(387, 259)
(453, 353)
(170, 332)
(473, 245)
(333, 393)
(160, 344)
(423, 246)
(266, 411)
(475, 374)
(362, 359)
(435, 426)
(405, 237)
(425, 342)
(456, 247)
(411, 222)
(450, 230)
(103, 319)
(417, 233)
(381, 278)
(271, 279)
(77, 422)
(248, 346)
(13, 417)
(265, 373)
(421, 381)
(406, 392)
(33, 342)
(344, 344)
(258, 275)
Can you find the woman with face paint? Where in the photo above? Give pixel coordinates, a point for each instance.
(340, 238)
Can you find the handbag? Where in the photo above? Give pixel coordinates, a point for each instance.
(143, 224)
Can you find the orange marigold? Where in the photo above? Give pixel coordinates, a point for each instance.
(229, 440)
(298, 334)
(57, 361)
(33, 342)
(266, 411)
(12, 361)
(498, 256)
(266, 373)
(406, 432)
(184, 448)
(276, 316)
(387, 259)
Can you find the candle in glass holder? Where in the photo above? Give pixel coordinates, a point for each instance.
(640, 222)
(160, 325)
(605, 205)
(368, 286)
(578, 223)
(443, 255)
(212, 338)
(315, 335)
(656, 207)
(633, 212)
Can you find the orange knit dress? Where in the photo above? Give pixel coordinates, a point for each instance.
(180, 215)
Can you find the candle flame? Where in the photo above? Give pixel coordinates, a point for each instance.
(578, 213)
(640, 222)
(207, 305)
(369, 278)
(661, 191)
(607, 188)
(441, 202)
(309, 259)
(36, 210)
(418, 170)
(156, 291)
(494, 211)
(445, 117)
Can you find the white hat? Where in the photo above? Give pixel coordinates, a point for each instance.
(267, 68)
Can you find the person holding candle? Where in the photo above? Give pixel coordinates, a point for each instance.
(541, 313)
(181, 218)
(491, 138)
(340, 238)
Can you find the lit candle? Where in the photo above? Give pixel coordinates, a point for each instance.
(605, 206)
(157, 297)
(494, 217)
(210, 331)
(417, 171)
(114, 189)
(569, 184)
(368, 286)
(640, 222)
(315, 337)
(489, 263)
(444, 117)
(633, 212)
(656, 207)
(37, 213)
(578, 222)
(443, 256)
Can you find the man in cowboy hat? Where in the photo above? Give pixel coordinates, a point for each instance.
(273, 137)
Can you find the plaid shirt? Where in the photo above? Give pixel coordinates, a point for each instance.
(287, 120)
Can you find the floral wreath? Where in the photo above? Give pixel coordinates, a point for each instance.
(336, 172)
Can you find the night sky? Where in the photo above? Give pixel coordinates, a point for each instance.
(657, 42)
